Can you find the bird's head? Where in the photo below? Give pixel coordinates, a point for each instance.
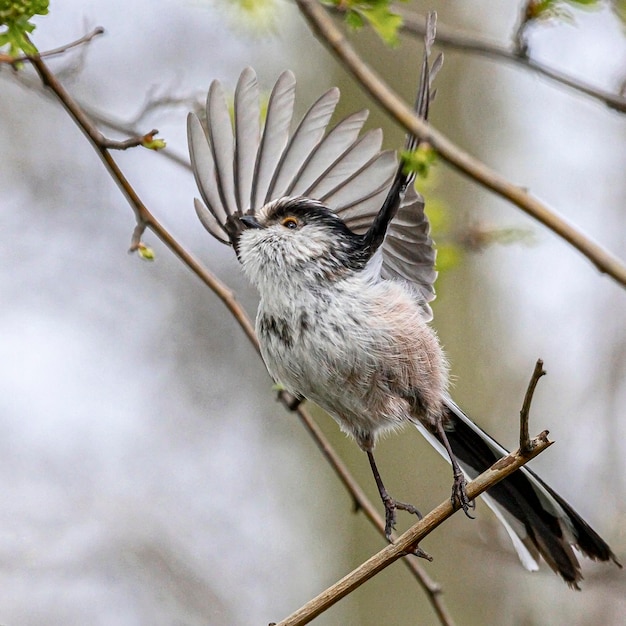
(295, 240)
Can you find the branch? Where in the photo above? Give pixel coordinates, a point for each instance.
(14, 61)
(525, 444)
(145, 219)
(334, 39)
(457, 40)
(407, 542)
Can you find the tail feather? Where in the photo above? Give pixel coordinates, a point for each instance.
(541, 520)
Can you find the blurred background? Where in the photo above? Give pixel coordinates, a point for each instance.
(147, 474)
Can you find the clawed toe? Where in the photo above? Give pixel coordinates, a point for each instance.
(391, 506)
(459, 496)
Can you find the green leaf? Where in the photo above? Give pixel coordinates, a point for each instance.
(383, 21)
(354, 20)
(377, 12)
(14, 15)
(144, 252)
(419, 160)
(153, 144)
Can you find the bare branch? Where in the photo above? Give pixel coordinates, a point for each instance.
(6, 58)
(131, 142)
(525, 445)
(334, 39)
(457, 40)
(411, 538)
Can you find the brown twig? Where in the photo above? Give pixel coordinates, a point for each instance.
(131, 142)
(334, 39)
(145, 219)
(8, 59)
(405, 543)
(525, 444)
(458, 40)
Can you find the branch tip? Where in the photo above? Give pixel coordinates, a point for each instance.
(525, 444)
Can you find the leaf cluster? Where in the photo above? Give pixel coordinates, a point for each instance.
(15, 16)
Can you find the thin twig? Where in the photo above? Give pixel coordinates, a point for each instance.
(524, 415)
(131, 142)
(334, 39)
(411, 538)
(145, 219)
(458, 40)
(6, 58)
(102, 119)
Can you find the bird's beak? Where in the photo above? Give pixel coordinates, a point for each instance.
(249, 221)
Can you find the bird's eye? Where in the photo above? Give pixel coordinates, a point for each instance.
(290, 222)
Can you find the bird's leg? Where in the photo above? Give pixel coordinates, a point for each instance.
(459, 496)
(391, 505)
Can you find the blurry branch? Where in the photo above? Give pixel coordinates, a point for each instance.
(408, 541)
(145, 219)
(124, 127)
(16, 61)
(332, 37)
(457, 40)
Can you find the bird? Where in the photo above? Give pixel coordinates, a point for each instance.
(332, 233)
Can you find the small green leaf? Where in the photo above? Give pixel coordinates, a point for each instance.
(377, 12)
(354, 20)
(153, 144)
(419, 160)
(383, 21)
(144, 252)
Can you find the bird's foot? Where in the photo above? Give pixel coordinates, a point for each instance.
(459, 495)
(391, 506)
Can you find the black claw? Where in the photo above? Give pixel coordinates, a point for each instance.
(459, 496)
(391, 506)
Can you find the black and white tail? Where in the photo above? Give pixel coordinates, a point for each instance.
(538, 520)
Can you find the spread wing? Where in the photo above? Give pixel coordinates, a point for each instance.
(239, 170)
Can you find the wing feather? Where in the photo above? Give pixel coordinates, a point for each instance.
(203, 167)
(221, 140)
(247, 135)
(304, 140)
(336, 142)
(343, 168)
(275, 137)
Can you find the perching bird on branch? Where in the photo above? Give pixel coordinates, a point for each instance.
(333, 235)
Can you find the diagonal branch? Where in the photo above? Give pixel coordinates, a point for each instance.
(334, 39)
(145, 219)
(458, 40)
(406, 542)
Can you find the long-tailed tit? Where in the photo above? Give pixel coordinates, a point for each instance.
(333, 235)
